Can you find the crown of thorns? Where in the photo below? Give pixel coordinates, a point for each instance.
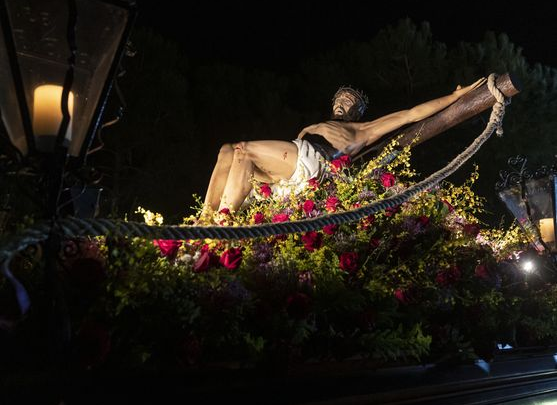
(361, 98)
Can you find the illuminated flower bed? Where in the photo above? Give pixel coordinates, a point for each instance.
(421, 282)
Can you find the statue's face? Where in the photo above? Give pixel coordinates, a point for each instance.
(342, 104)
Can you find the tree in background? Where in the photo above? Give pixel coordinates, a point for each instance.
(154, 150)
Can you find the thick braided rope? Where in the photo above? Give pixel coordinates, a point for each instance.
(75, 227)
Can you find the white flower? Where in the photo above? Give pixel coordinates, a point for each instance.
(186, 258)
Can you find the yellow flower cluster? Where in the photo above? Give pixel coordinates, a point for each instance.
(465, 201)
(150, 218)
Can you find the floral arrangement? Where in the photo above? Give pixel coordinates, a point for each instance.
(423, 281)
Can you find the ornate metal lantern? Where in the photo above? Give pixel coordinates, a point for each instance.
(530, 197)
(58, 59)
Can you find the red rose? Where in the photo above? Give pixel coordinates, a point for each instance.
(423, 220)
(258, 218)
(330, 229)
(168, 247)
(231, 258)
(332, 203)
(341, 162)
(482, 271)
(265, 190)
(281, 218)
(406, 295)
(225, 211)
(313, 183)
(390, 211)
(448, 276)
(374, 243)
(89, 248)
(203, 262)
(388, 179)
(368, 221)
(348, 261)
(312, 240)
(346, 160)
(471, 229)
(298, 305)
(308, 207)
(401, 296)
(206, 260)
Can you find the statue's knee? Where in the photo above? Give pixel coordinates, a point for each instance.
(240, 147)
(226, 151)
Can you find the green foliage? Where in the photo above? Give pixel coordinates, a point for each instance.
(398, 344)
(143, 154)
(424, 281)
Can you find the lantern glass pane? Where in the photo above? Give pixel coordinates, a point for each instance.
(40, 36)
(9, 106)
(512, 198)
(539, 197)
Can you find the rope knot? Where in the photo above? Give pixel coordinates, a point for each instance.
(499, 107)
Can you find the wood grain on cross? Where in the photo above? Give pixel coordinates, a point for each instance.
(471, 104)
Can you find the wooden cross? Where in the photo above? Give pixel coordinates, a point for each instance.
(469, 105)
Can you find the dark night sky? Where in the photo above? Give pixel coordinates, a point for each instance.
(278, 34)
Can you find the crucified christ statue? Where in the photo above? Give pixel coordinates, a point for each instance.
(273, 161)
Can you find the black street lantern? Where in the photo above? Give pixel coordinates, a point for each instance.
(530, 197)
(58, 59)
(58, 62)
